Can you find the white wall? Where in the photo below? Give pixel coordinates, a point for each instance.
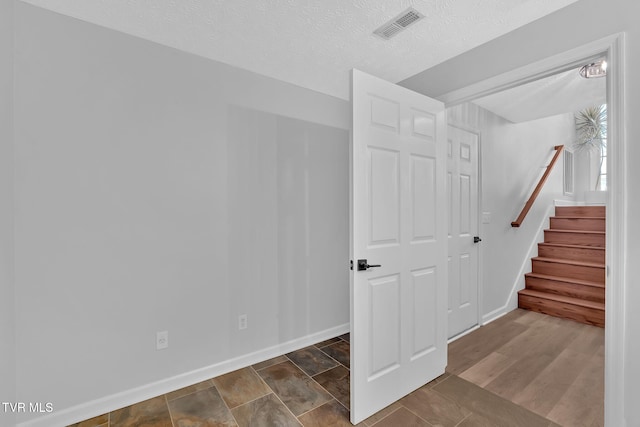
(587, 168)
(582, 173)
(156, 190)
(288, 226)
(569, 28)
(513, 158)
(7, 313)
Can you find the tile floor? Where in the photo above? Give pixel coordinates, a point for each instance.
(310, 387)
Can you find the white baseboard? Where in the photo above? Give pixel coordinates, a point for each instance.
(110, 403)
(495, 315)
(561, 202)
(463, 333)
(593, 201)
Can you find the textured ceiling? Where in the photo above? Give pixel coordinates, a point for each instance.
(563, 93)
(312, 43)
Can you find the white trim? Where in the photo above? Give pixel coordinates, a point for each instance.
(568, 172)
(614, 397)
(560, 202)
(480, 232)
(463, 333)
(614, 47)
(538, 70)
(110, 403)
(493, 316)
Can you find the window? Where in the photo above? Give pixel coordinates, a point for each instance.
(602, 177)
(568, 172)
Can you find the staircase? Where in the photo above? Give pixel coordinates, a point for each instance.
(569, 272)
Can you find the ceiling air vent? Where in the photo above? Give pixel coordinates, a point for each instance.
(399, 23)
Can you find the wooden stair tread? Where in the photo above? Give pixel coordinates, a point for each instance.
(566, 280)
(567, 245)
(568, 277)
(569, 261)
(578, 217)
(562, 230)
(562, 299)
(597, 210)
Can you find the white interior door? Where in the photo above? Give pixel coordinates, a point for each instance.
(399, 220)
(462, 190)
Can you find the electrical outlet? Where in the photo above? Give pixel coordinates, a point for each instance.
(162, 340)
(242, 321)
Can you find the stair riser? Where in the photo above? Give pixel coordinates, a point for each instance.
(574, 290)
(580, 211)
(580, 272)
(575, 254)
(584, 224)
(560, 309)
(581, 239)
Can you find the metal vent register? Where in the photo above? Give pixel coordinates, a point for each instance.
(399, 23)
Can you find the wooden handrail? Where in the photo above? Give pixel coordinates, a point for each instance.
(535, 193)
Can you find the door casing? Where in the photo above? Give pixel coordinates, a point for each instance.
(614, 48)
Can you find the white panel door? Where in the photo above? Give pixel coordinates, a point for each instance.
(462, 191)
(398, 309)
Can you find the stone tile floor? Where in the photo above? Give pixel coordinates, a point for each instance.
(310, 387)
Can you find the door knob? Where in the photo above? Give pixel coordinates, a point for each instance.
(476, 239)
(362, 265)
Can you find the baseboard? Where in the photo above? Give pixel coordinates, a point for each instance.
(110, 403)
(462, 334)
(495, 314)
(579, 203)
(561, 202)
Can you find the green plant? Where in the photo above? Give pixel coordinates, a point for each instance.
(591, 128)
(591, 133)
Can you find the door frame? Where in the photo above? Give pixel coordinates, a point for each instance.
(478, 227)
(614, 48)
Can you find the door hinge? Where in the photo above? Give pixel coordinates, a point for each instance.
(351, 265)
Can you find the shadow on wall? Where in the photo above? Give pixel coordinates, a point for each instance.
(288, 226)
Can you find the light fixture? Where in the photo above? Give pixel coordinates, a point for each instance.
(595, 69)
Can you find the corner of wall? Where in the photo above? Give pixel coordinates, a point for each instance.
(519, 281)
(7, 286)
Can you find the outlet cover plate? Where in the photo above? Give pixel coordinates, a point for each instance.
(162, 340)
(242, 322)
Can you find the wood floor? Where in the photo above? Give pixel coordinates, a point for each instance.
(526, 369)
(553, 367)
